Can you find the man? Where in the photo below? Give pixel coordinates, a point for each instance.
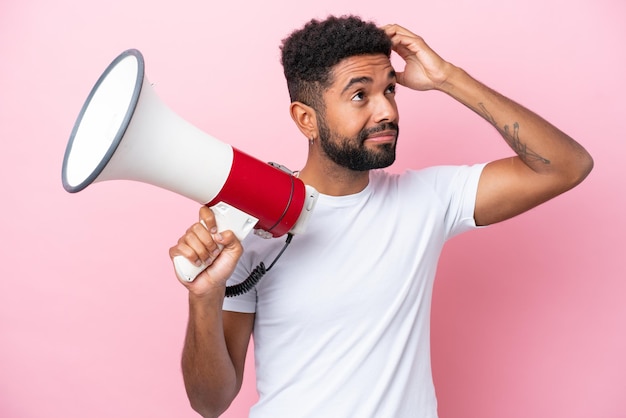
(341, 324)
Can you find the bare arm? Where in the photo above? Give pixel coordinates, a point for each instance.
(214, 355)
(216, 342)
(547, 161)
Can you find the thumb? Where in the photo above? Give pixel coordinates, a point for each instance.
(400, 78)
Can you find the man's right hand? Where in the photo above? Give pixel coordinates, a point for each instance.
(202, 243)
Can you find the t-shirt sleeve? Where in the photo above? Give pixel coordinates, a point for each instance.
(456, 188)
(460, 216)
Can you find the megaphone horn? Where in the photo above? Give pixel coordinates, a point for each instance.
(124, 132)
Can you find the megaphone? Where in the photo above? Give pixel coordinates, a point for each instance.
(124, 132)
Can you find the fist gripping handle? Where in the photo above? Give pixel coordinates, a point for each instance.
(227, 217)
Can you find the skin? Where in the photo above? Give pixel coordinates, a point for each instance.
(546, 163)
(362, 96)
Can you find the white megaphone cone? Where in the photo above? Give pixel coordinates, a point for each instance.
(124, 132)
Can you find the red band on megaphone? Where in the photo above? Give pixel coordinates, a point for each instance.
(273, 196)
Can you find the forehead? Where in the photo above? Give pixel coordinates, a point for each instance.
(374, 67)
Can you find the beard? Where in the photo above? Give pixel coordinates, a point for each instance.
(352, 152)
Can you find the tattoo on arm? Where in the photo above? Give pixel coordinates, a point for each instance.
(512, 138)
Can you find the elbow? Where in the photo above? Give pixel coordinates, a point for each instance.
(588, 166)
(210, 403)
(207, 413)
(584, 166)
(573, 170)
(208, 410)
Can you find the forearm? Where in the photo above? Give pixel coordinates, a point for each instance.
(547, 161)
(208, 371)
(537, 143)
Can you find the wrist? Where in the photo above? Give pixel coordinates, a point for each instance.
(209, 296)
(452, 78)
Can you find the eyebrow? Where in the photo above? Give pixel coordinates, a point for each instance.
(365, 80)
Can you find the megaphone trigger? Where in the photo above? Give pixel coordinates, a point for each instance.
(228, 217)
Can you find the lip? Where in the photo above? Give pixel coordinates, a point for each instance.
(383, 137)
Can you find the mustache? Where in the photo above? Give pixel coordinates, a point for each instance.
(387, 126)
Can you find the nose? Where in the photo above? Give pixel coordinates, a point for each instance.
(385, 109)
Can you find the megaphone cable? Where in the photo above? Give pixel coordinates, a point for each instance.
(256, 275)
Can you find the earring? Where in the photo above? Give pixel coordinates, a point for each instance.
(311, 140)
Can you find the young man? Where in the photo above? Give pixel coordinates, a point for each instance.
(341, 324)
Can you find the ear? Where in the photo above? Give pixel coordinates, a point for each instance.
(305, 118)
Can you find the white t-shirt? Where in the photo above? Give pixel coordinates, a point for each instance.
(342, 325)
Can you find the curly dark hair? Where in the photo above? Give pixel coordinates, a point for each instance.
(308, 54)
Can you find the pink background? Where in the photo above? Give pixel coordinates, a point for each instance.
(529, 317)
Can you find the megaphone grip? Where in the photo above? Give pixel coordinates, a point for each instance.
(227, 217)
(185, 270)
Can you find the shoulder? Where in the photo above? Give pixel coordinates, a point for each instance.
(436, 178)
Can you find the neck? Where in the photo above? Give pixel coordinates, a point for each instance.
(333, 180)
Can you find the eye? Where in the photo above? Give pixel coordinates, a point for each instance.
(391, 89)
(359, 96)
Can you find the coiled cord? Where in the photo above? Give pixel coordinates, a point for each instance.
(256, 275)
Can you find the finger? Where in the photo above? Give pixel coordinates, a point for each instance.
(201, 241)
(227, 239)
(207, 217)
(231, 246)
(182, 249)
(392, 30)
(407, 43)
(224, 265)
(197, 245)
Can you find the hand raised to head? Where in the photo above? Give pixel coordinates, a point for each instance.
(424, 69)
